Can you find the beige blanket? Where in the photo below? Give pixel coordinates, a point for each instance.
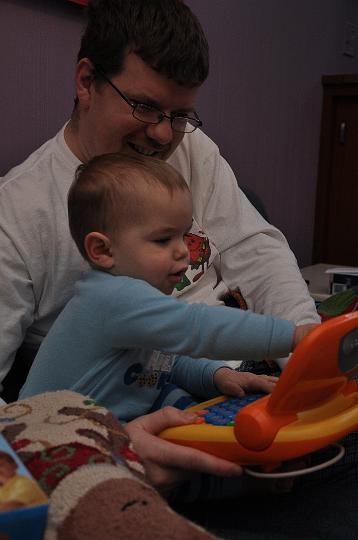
(83, 460)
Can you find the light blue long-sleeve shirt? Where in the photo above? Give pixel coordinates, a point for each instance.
(120, 340)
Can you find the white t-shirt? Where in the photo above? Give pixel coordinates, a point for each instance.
(232, 245)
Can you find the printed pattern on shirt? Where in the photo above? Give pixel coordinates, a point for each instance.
(155, 374)
(202, 253)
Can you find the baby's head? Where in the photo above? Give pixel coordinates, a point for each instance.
(128, 215)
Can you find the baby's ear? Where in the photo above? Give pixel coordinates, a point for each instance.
(98, 249)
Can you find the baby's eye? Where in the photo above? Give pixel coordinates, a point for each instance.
(163, 241)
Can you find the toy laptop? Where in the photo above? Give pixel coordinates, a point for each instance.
(23, 504)
(314, 404)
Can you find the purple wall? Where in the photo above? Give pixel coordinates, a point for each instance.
(261, 103)
(38, 45)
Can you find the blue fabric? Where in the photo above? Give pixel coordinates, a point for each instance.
(172, 395)
(120, 341)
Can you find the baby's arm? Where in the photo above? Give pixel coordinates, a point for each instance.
(301, 331)
(210, 378)
(195, 330)
(238, 383)
(196, 376)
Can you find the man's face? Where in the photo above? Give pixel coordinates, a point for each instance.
(106, 122)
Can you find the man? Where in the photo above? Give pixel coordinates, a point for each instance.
(139, 69)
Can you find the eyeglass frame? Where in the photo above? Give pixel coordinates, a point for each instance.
(161, 115)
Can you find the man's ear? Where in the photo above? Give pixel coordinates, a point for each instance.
(98, 249)
(84, 81)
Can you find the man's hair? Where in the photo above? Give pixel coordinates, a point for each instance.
(111, 190)
(164, 33)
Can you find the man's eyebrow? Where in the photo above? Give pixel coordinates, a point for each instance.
(142, 98)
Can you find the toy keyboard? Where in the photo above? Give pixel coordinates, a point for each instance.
(314, 403)
(222, 411)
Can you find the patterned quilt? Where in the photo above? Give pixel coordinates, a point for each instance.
(82, 458)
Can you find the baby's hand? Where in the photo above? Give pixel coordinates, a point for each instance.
(239, 383)
(301, 331)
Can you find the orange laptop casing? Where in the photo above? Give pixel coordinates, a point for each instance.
(314, 403)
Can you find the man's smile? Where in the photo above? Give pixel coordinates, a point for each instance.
(150, 149)
(142, 150)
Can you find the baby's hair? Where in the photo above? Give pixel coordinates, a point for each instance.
(5, 456)
(110, 190)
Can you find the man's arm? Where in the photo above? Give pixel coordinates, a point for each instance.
(254, 255)
(17, 302)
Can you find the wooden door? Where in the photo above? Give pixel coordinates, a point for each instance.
(336, 225)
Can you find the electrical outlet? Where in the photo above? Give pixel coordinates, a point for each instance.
(350, 37)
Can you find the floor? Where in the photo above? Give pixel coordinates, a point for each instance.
(322, 506)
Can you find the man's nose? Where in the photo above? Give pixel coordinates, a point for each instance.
(162, 133)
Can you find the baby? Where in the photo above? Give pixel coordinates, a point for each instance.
(122, 336)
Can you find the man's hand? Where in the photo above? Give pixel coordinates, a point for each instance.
(167, 464)
(239, 383)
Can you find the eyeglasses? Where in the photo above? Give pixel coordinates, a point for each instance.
(148, 114)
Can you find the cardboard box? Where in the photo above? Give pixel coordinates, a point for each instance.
(23, 504)
(342, 278)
